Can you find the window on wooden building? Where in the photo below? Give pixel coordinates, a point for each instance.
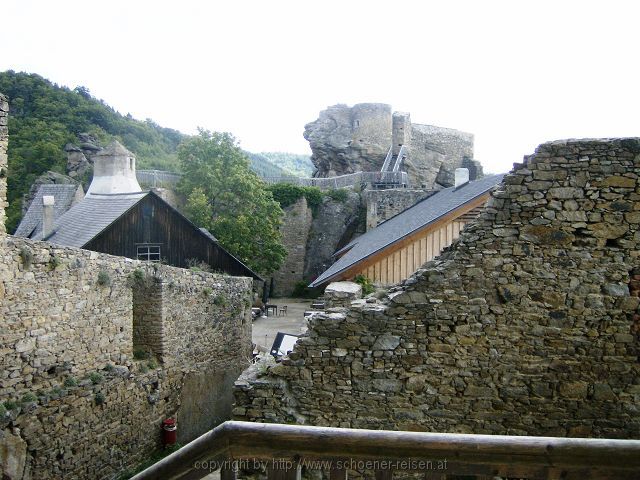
(147, 252)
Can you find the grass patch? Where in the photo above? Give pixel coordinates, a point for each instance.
(104, 280)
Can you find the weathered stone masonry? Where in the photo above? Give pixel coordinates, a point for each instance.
(62, 327)
(78, 404)
(526, 325)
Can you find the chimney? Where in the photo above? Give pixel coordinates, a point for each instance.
(114, 171)
(462, 177)
(47, 215)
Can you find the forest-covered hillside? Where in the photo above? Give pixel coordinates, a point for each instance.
(44, 117)
(296, 164)
(263, 167)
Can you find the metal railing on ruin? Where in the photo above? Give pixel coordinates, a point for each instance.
(159, 178)
(400, 179)
(283, 450)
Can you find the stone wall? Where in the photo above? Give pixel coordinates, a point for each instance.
(435, 153)
(384, 204)
(295, 229)
(81, 405)
(4, 140)
(525, 325)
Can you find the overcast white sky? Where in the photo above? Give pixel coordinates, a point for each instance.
(514, 73)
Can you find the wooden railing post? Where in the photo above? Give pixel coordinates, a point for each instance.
(337, 473)
(284, 469)
(386, 474)
(228, 472)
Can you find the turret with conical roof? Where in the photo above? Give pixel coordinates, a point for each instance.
(114, 171)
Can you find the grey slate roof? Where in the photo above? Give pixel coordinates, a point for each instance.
(31, 224)
(208, 234)
(88, 218)
(413, 218)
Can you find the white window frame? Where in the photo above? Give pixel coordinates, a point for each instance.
(149, 252)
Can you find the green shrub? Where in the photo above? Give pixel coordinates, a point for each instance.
(109, 367)
(287, 194)
(206, 291)
(26, 256)
(28, 397)
(95, 378)
(138, 275)
(70, 382)
(301, 290)
(54, 262)
(3, 411)
(99, 398)
(152, 365)
(56, 391)
(367, 285)
(10, 405)
(340, 195)
(220, 300)
(140, 354)
(104, 279)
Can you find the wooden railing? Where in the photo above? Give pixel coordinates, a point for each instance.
(283, 450)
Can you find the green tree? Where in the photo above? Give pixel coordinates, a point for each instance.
(230, 200)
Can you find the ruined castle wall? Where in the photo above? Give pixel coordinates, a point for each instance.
(384, 204)
(434, 148)
(350, 139)
(295, 228)
(525, 325)
(4, 144)
(81, 405)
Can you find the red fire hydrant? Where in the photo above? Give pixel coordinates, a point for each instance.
(169, 432)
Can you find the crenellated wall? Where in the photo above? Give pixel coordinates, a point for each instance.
(526, 325)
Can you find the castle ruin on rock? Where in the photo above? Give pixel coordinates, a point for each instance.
(350, 139)
(527, 325)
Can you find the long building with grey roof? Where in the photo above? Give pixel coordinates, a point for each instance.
(396, 248)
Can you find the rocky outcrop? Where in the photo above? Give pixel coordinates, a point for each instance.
(335, 224)
(47, 178)
(350, 139)
(80, 157)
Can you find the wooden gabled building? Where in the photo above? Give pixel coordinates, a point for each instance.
(396, 248)
(118, 218)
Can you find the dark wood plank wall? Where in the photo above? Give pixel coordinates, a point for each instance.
(180, 241)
